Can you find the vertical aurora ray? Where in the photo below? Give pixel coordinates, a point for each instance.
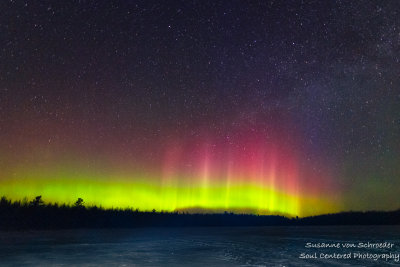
(248, 175)
(191, 110)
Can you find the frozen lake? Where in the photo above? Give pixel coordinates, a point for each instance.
(208, 246)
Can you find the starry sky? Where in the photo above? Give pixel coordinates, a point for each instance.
(288, 107)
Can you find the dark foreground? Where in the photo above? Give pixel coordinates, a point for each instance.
(199, 246)
(39, 216)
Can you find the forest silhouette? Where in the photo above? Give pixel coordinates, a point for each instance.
(36, 214)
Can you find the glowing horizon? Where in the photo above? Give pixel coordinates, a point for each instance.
(255, 177)
(246, 197)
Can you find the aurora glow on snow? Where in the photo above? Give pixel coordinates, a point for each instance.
(266, 108)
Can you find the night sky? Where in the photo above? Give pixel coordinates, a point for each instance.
(289, 107)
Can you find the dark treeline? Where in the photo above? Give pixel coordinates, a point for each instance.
(354, 218)
(38, 215)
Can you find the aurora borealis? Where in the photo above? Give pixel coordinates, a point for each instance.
(258, 176)
(288, 107)
(255, 176)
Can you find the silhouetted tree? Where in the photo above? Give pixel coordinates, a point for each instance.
(37, 202)
(80, 203)
(4, 201)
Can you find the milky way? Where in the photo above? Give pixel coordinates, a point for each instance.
(268, 107)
